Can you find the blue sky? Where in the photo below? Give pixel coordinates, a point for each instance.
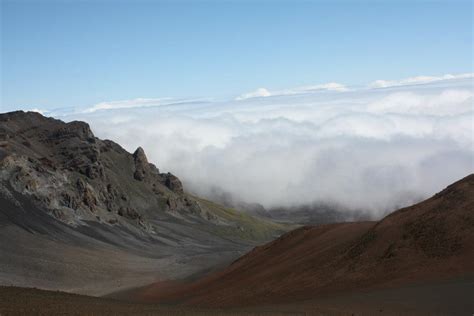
(76, 54)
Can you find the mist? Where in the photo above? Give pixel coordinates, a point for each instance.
(373, 148)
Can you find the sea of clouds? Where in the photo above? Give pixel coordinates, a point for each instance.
(374, 148)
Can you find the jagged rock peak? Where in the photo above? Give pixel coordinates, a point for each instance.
(142, 167)
(139, 155)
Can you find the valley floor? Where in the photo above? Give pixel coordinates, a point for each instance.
(451, 297)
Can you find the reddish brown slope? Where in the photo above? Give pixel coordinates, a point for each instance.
(427, 241)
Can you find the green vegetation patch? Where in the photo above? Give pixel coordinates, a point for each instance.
(237, 224)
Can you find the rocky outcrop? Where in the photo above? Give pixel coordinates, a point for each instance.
(173, 183)
(148, 172)
(142, 166)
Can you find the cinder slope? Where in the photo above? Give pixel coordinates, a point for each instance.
(428, 241)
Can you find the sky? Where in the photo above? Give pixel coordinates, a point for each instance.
(366, 105)
(58, 54)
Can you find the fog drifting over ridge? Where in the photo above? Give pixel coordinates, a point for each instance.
(374, 148)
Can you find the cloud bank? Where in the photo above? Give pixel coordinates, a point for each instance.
(417, 80)
(136, 103)
(367, 149)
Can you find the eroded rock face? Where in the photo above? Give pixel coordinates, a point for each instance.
(78, 177)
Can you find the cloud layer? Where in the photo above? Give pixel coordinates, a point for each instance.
(370, 149)
(417, 80)
(263, 92)
(135, 103)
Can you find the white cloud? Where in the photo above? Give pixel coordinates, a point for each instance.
(448, 102)
(417, 80)
(375, 149)
(123, 104)
(262, 92)
(331, 86)
(138, 103)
